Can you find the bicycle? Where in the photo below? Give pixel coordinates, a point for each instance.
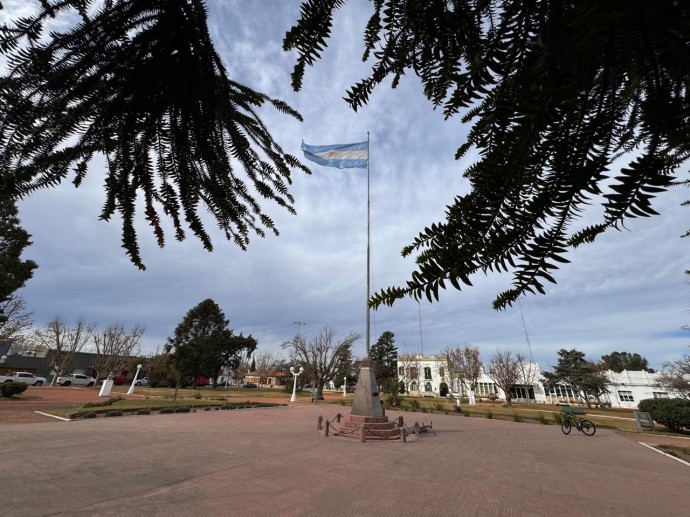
(582, 425)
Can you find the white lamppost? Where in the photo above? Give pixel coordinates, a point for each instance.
(345, 387)
(294, 382)
(134, 381)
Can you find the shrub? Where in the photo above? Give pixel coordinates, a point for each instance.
(226, 406)
(415, 405)
(439, 406)
(166, 410)
(182, 410)
(88, 414)
(558, 418)
(197, 395)
(7, 389)
(465, 412)
(516, 417)
(144, 412)
(457, 409)
(108, 402)
(674, 414)
(542, 419)
(114, 412)
(489, 414)
(207, 408)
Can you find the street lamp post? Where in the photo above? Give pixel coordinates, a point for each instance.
(294, 382)
(131, 388)
(345, 387)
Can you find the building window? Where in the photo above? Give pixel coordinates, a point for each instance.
(401, 371)
(413, 386)
(660, 395)
(442, 372)
(484, 389)
(626, 396)
(413, 372)
(427, 386)
(427, 373)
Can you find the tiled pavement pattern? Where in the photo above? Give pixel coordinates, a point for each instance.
(273, 462)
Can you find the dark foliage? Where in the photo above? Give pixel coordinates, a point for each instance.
(556, 92)
(14, 272)
(204, 344)
(619, 361)
(139, 82)
(672, 413)
(7, 389)
(384, 360)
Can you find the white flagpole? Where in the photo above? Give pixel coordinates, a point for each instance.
(368, 333)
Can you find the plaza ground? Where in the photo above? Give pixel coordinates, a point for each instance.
(273, 461)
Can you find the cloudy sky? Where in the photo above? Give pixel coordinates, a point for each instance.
(626, 293)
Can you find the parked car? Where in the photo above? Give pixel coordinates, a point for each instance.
(25, 377)
(142, 382)
(118, 380)
(250, 385)
(76, 379)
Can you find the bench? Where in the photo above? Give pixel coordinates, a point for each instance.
(573, 410)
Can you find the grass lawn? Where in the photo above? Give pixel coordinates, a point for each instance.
(202, 398)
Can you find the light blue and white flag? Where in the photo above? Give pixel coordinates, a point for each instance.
(342, 156)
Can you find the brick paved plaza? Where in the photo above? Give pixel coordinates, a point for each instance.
(274, 462)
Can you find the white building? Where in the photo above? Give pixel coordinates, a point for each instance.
(426, 376)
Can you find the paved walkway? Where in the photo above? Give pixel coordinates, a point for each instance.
(274, 462)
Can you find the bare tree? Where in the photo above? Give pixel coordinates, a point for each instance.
(505, 371)
(63, 342)
(528, 373)
(675, 376)
(412, 368)
(15, 320)
(265, 363)
(114, 347)
(464, 365)
(322, 356)
(239, 372)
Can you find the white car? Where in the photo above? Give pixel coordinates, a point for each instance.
(142, 382)
(76, 379)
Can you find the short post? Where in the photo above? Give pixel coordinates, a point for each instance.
(328, 424)
(416, 429)
(319, 426)
(364, 433)
(294, 382)
(401, 423)
(338, 417)
(134, 381)
(403, 435)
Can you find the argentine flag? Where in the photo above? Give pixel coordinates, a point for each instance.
(342, 156)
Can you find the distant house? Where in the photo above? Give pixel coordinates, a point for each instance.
(269, 379)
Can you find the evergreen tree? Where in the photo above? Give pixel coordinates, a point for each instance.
(14, 272)
(584, 377)
(204, 344)
(384, 360)
(556, 93)
(619, 361)
(140, 82)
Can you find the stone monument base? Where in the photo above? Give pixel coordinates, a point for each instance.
(373, 427)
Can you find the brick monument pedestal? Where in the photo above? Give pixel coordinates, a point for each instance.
(367, 419)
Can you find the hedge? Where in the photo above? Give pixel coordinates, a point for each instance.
(7, 389)
(671, 413)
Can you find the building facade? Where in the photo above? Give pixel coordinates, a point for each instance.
(427, 376)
